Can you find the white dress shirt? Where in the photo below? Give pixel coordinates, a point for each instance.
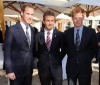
(24, 28)
(51, 34)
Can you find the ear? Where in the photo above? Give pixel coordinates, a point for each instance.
(43, 22)
(21, 13)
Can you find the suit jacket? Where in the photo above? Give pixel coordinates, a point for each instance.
(18, 57)
(85, 54)
(50, 61)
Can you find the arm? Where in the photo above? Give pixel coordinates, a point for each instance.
(94, 44)
(63, 46)
(7, 54)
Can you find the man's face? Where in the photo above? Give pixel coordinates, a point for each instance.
(27, 15)
(78, 19)
(49, 22)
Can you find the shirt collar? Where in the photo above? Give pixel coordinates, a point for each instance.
(23, 25)
(80, 29)
(51, 31)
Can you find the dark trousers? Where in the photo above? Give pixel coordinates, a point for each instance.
(27, 80)
(51, 79)
(77, 78)
(82, 80)
(48, 81)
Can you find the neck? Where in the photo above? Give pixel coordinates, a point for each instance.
(78, 27)
(48, 29)
(26, 24)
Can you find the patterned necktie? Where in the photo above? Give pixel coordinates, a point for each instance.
(77, 40)
(27, 36)
(48, 41)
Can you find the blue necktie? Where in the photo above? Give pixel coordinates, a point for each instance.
(77, 40)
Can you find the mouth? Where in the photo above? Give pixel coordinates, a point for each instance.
(29, 19)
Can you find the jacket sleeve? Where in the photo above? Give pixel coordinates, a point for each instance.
(63, 47)
(94, 44)
(7, 48)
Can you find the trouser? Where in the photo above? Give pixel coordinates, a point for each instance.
(27, 80)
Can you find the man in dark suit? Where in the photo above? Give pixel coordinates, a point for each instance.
(50, 49)
(19, 46)
(81, 45)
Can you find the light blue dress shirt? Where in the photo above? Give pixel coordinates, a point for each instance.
(80, 33)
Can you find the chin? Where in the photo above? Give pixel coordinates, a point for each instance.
(78, 25)
(50, 28)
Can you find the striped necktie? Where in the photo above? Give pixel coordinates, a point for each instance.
(48, 41)
(28, 37)
(77, 40)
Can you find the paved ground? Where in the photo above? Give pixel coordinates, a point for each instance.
(4, 80)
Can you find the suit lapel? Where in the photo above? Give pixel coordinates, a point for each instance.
(72, 38)
(53, 37)
(32, 35)
(84, 35)
(42, 38)
(21, 32)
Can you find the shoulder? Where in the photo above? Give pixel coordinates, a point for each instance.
(89, 29)
(17, 25)
(39, 34)
(69, 30)
(56, 31)
(13, 28)
(34, 29)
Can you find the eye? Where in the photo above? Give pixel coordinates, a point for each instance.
(32, 14)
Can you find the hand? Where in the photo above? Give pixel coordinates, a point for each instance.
(11, 76)
(99, 44)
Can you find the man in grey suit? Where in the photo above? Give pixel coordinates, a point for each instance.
(50, 48)
(19, 48)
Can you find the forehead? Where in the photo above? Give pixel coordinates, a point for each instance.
(28, 9)
(78, 15)
(49, 17)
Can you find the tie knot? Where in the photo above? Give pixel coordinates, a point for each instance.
(48, 33)
(26, 27)
(77, 30)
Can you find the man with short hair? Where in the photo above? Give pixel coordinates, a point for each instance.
(50, 50)
(19, 49)
(81, 45)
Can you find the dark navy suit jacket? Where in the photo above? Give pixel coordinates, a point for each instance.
(18, 57)
(83, 57)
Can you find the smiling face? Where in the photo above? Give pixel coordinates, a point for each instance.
(49, 22)
(78, 20)
(27, 15)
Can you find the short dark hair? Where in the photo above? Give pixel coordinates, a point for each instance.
(26, 5)
(77, 10)
(48, 13)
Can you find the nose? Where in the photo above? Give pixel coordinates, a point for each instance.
(30, 16)
(50, 22)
